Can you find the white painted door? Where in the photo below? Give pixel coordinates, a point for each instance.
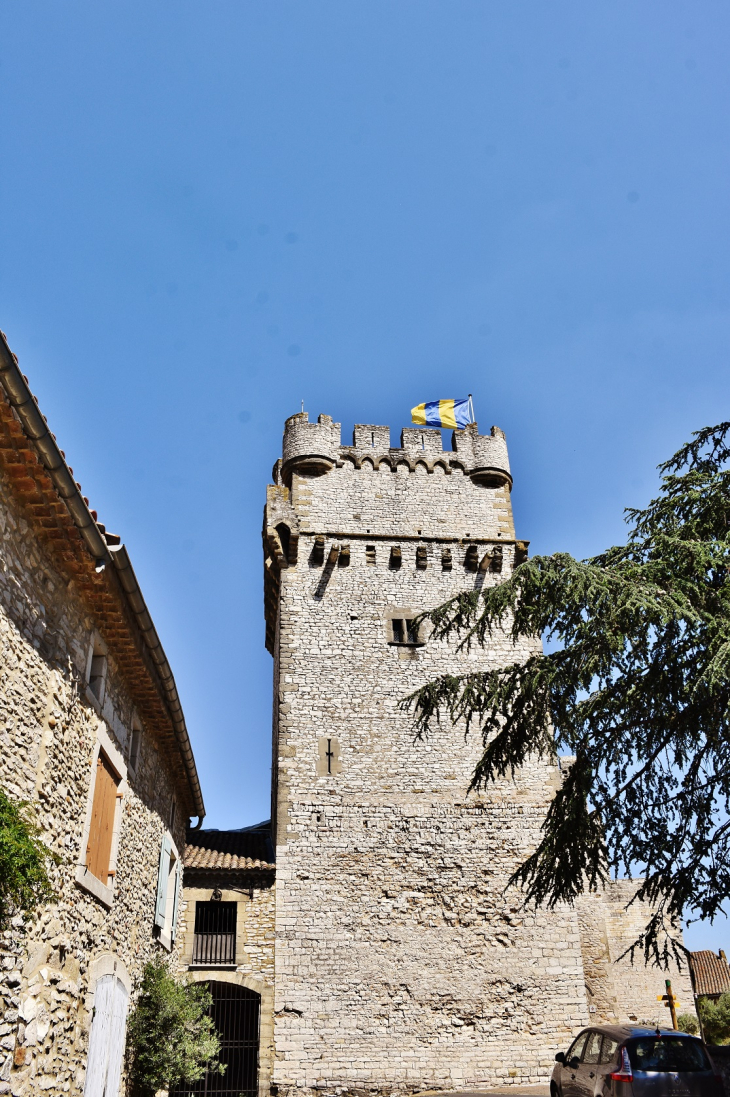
(106, 1041)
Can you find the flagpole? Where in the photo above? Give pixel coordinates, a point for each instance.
(471, 409)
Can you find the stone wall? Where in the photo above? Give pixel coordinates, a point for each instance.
(617, 989)
(401, 962)
(254, 966)
(50, 726)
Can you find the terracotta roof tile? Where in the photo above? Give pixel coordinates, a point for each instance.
(711, 972)
(247, 848)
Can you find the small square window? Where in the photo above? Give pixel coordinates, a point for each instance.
(403, 630)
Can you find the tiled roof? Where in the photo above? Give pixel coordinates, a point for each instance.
(247, 848)
(35, 466)
(711, 972)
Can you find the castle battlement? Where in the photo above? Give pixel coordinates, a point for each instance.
(409, 499)
(314, 449)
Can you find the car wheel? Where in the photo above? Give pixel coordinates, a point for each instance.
(554, 1091)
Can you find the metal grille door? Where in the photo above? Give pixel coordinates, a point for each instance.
(235, 1011)
(214, 941)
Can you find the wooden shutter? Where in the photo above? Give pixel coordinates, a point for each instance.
(116, 1039)
(103, 810)
(162, 874)
(106, 1041)
(98, 1057)
(176, 903)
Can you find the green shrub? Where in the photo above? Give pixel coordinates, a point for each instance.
(24, 860)
(716, 1019)
(687, 1022)
(170, 1037)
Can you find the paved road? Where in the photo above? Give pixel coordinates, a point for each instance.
(503, 1091)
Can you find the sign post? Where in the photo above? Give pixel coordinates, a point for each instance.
(670, 1002)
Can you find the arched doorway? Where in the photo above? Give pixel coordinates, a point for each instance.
(235, 1011)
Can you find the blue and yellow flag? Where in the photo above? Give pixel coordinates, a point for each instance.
(454, 414)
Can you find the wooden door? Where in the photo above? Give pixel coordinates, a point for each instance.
(106, 1040)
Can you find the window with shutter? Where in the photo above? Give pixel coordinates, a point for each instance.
(98, 851)
(162, 878)
(169, 892)
(176, 902)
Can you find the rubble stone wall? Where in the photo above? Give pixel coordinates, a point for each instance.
(401, 963)
(49, 728)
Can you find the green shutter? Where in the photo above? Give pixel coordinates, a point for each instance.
(162, 874)
(176, 902)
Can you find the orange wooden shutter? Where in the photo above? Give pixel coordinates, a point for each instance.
(102, 820)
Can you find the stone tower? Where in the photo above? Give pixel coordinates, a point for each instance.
(401, 963)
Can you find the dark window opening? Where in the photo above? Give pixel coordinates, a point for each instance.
(214, 941)
(285, 537)
(405, 631)
(135, 743)
(97, 671)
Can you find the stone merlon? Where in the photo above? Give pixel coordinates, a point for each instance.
(314, 449)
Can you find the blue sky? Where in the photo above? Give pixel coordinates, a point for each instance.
(213, 211)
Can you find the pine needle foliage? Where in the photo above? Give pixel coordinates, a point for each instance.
(171, 1038)
(636, 686)
(25, 861)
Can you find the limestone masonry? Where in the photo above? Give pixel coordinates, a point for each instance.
(401, 963)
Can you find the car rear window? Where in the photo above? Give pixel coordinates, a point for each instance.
(667, 1053)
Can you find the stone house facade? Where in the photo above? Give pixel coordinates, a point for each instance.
(227, 934)
(93, 738)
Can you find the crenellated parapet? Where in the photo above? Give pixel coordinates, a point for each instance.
(314, 449)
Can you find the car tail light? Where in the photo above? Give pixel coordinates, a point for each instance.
(624, 1074)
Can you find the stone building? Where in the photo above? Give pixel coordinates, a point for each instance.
(401, 963)
(711, 973)
(93, 737)
(227, 941)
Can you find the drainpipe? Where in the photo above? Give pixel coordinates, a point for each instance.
(34, 425)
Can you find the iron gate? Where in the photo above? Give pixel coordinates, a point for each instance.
(235, 1011)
